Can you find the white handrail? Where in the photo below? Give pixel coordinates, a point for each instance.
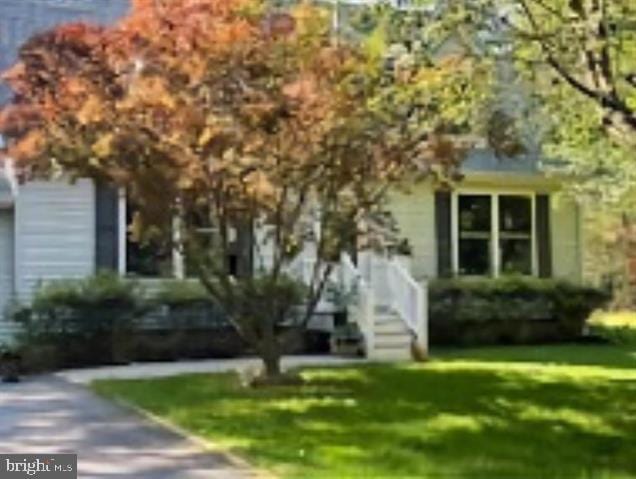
(363, 310)
(408, 299)
(378, 283)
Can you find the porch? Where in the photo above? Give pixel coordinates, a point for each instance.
(384, 300)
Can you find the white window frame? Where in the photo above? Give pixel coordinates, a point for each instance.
(495, 253)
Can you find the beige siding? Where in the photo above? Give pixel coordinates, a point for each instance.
(415, 216)
(55, 232)
(565, 225)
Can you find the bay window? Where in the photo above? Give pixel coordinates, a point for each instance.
(493, 234)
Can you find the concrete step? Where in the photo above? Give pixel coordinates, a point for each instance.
(390, 327)
(386, 318)
(390, 355)
(390, 341)
(380, 310)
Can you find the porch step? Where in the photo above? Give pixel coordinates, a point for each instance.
(392, 342)
(395, 326)
(390, 354)
(392, 339)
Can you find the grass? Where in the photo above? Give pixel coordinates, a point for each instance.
(524, 412)
(617, 327)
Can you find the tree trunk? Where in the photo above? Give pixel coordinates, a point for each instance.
(270, 353)
(272, 365)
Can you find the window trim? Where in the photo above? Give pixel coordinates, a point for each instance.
(495, 252)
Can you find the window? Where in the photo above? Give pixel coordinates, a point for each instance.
(494, 234)
(475, 235)
(515, 234)
(206, 237)
(154, 257)
(149, 257)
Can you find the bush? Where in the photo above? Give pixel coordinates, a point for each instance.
(106, 319)
(185, 323)
(509, 310)
(177, 293)
(80, 322)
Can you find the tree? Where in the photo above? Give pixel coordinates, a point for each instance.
(575, 61)
(223, 114)
(578, 58)
(581, 48)
(567, 67)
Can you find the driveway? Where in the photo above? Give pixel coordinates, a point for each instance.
(52, 415)
(57, 414)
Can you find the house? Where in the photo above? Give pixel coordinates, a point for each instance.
(505, 217)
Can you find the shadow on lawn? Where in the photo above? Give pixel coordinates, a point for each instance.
(452, 419)
(460, 424)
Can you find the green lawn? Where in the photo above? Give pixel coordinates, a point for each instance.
(525, 412)
(618, 327)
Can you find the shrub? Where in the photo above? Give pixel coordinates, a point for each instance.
(185, 323)
(80, 322)
(106, 319)
(509, 310)
(10, 362)
(178, 293)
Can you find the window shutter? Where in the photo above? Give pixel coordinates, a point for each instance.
(544, 244)
(245, 249)
(443, 232)
(106, 227)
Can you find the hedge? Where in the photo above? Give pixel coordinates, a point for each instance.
(509, 310)
(108, 320)
(105, 319)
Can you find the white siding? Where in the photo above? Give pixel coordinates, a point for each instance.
(415, 216)
(263, 248)
(55, 232)
(565, 225)
(6, 268)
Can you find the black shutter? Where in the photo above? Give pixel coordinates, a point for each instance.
(106, 227)
(544, 245)
(443, 232)
(245, 249)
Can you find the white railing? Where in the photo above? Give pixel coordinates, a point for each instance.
(408, 300)
(378, 283)
(363, 307)
(394, 287)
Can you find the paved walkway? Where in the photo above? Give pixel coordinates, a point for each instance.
(56, 414)
(155, 370)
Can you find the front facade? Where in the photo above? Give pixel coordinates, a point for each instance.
(505, 217)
